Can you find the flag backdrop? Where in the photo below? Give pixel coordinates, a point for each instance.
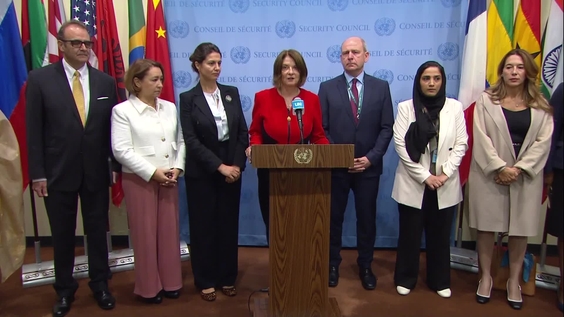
(527, 34)
(500, 35)
(137, 31)
(157, 45)
(56, 17)
(12, 106)
(473, 72)
(13, 66)
(34, 34)
(99, 18)
(551, 74)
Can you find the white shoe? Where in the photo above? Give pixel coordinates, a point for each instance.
(402, 290)
(444, 293)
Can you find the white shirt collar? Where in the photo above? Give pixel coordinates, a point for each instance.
(360, 77)
(140, 106)
(69, 70)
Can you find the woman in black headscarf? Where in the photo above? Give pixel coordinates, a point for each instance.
(430, 139)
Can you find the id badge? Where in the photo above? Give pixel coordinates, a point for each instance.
(434, 157)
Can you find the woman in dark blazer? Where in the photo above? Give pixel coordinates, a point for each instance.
(216, 136)
(554, 178)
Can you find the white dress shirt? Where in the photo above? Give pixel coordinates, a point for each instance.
(359, 81)
(84, 81)
(145, 138)
(218, 111)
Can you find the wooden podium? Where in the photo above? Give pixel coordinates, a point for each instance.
(300, 211)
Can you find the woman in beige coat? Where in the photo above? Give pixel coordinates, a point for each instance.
(512, 134)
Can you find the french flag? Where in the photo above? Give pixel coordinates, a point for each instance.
(13, 68)
(473, 80)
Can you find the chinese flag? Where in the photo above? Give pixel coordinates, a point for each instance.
(157, 45)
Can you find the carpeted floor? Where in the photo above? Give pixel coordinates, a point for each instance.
(353, 300)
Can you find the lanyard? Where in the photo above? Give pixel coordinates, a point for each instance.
(358, 102)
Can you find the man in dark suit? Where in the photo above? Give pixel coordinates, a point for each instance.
(68, 110)
(357, 109)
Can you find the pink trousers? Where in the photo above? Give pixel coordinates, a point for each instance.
(152, 212)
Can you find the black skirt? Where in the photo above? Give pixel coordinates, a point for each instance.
(555, 215)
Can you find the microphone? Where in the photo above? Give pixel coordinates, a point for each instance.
(298, 110)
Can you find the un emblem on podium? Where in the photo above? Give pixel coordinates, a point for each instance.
(303, 155)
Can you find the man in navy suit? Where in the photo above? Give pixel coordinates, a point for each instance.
(68, 110)
(357, 109)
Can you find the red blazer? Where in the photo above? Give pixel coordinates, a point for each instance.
(270, 125)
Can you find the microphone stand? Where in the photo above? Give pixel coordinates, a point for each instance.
(301, 126)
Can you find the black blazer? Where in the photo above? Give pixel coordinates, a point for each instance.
(200, 131)
(374, 131)
(60, 149)
(556, 157)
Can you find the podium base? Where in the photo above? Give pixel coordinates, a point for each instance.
(261, 308)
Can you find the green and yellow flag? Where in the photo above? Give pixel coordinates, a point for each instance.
(500, 35)
(136, 30)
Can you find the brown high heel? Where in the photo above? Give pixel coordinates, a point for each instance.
(210, 297)
(229, 290)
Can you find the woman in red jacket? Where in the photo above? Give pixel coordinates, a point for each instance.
(274, 122)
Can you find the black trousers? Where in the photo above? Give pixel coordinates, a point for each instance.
(213, 212)
(263, 178)
(62, 211)
(365, 191)
(437, 224)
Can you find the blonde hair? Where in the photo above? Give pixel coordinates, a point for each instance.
(532, 95)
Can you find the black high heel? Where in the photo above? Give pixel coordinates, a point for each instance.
(513, 303)
(482, 299)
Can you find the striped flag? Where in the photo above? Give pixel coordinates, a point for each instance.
(34, 34)
(157, 45)
(527, 34)
(500, 35)
(85, 12)
(551, 74)
(56, 18)
(14, 71)
(99, 18)
(137, 31)
(12, 99)
(473, 80)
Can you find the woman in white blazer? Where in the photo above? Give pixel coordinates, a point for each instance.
(430, 139)
(147, 141)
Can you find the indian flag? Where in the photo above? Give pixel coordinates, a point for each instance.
(551, 74)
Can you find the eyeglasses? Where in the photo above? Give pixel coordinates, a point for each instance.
(78, 43)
